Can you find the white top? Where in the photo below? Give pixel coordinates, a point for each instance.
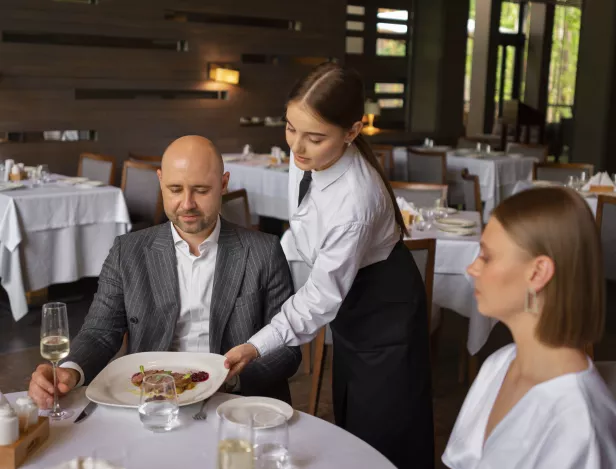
(345, 222)
(196, 281)
(567, 422)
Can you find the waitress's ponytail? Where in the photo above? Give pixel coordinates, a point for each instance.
(337, 95)
(366, 151)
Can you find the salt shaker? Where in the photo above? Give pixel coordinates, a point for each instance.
(27, 413)
(9, 425)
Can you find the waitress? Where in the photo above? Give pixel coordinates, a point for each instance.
(364, 282)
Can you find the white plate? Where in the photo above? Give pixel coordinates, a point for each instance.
(243, 408)
(112, 386)
(456, 222)
(541, 183)
(459, 231)
(450, 210)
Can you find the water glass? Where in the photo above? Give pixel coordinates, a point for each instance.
(55, 346)
(271, 440)
(158, 406)
(440, 208)
(43, 172)
(235, 439)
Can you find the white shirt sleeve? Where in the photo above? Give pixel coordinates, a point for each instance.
(75, 366)
(318, 301)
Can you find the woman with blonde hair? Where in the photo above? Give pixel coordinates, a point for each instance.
(539, 403)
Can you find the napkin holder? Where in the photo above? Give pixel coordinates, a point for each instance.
(13, 456)
(600, 189)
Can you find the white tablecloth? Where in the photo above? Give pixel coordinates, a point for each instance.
(453, 287)
(56, 233)
(267, 188)
(314, 443)
(498, 176)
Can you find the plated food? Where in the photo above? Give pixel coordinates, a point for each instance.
(184, 381)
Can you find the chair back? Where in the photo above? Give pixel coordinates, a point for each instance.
(385, 155)
(472, 192)
(427, 167)
(97, 167)
(235, 208)
(424, 251)
(560, 172)
(153, 160)
(422, 195)
(528, 149)
(141, 189)
(606, 222)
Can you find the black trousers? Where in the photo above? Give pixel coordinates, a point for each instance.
(382, 383)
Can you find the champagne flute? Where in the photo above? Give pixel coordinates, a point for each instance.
(55, 346)
(235, 439)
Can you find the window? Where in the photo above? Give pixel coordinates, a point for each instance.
(388, 14)
(390, 47)
(355, 28)
(389, 88)
(355, 25)
(391, 103)
(391, 28)
(354, 45)
(563, 63)
(356, 10)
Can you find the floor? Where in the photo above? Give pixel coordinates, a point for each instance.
(19, 355)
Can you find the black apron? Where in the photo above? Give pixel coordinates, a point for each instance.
(382, 388)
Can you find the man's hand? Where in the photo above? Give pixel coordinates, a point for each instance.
(41, 385)
(238, 357)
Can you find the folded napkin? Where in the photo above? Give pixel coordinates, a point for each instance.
(599, 179)
(408, 210)
(86, 463)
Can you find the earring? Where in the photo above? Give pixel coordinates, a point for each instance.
(348, 144)
(530, 302)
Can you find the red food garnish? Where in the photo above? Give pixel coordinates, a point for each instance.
(200, 376)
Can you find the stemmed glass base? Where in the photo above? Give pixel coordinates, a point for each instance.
(59, 414)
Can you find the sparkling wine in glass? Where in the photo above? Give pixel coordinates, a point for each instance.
(55, 346)
(235, 438)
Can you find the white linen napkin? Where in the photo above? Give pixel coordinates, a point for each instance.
(599, 179)
(409, 207)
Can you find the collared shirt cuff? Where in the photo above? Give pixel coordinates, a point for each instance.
(267, 340)
(75, 366)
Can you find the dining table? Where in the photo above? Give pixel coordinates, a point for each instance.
(117, 436)
(56, 231)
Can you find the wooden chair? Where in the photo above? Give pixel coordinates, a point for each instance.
(528, 149)
(153, 160)
(472, 192)
(235, 208)
(385, 155)
(427, 166)
(142, 193)
(422, 195)
(97, 167)
(560, 172)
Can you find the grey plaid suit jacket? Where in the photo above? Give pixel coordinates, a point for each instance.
(138, 293)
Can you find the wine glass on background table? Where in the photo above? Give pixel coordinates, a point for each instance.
(55, 346)
(235, 439)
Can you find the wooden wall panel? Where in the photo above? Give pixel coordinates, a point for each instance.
(38, 81)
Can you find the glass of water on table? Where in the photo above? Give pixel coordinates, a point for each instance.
(235, 439)
(158, 406)
(271, 440)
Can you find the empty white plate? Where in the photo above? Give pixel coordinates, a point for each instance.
(242, 409)
(457, 222)
(113, 386)
(459, 231)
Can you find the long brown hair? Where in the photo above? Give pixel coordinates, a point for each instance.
(557, 223)
(336, 94)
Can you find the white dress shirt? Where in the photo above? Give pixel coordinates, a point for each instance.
(196, 282)
(568, 422)
(345, 222)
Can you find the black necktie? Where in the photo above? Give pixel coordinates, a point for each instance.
(304, 184)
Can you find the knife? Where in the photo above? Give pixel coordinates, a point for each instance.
(86, 412)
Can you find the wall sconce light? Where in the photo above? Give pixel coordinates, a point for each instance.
(371, 109)
(224, 74)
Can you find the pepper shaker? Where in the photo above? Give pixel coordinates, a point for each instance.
(9, 426)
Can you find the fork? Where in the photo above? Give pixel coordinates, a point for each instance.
(201, 415)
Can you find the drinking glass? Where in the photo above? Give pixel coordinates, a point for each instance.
(440, 208)
(572, 182)
(271, 440)
(158, 406)
(235, 438)
(55, 345)
(43, 172)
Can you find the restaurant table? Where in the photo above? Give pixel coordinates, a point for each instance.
(453, 287)
(117, 435)
(498, 175)
(55, 233)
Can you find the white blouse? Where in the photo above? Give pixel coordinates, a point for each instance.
(567, 422)
(346, 221)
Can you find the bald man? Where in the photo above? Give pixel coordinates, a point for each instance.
(195, 284)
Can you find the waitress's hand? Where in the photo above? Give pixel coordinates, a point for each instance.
(238, 357)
